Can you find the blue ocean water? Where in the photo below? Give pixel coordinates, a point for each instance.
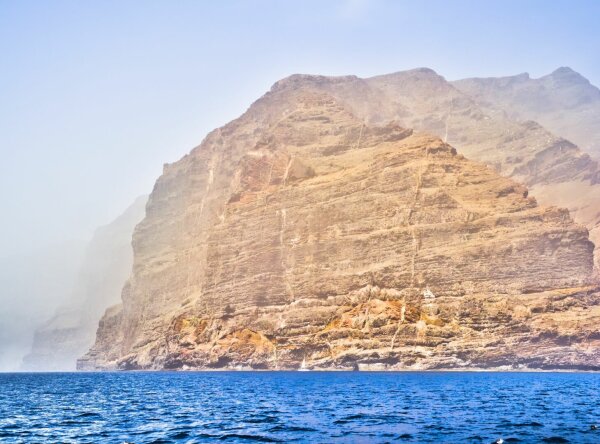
(306, 407)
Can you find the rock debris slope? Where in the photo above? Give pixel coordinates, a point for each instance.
(302, 235)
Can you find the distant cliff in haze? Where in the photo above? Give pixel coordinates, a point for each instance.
(563, 101)
(71, 330)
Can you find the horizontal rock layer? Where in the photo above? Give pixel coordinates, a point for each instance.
(488, 129)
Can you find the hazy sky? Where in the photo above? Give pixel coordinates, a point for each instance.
(96, 95)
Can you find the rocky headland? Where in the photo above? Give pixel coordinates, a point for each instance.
(320, 230)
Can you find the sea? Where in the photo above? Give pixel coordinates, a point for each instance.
(301, 407)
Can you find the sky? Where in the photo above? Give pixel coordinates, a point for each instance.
(96, 96)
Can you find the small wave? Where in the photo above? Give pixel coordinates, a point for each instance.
(356, 416)
(180, 435)
(89, 415)
(528, 424)
(350, 418)
(555, 440)
(263, 420)
(257, 438)
(435, 427)
(283, 428)
(506, 423)
(72, 422)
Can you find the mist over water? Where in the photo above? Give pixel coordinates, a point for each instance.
(34, 284)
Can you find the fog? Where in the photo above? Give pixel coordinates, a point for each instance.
(33, 284)
(97, 96)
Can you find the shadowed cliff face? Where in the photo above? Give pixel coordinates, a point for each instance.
(71, 330)
(301, 233)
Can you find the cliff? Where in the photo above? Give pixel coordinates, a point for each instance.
(303, 233)
(107, 263)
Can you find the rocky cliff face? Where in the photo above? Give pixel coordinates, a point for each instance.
(564, 101)
(304, 234)
(555, 170)
(70, 332)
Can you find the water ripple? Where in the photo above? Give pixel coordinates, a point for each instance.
(239, 407)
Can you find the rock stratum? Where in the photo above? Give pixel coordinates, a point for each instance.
(318, 231)
(106, 265)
